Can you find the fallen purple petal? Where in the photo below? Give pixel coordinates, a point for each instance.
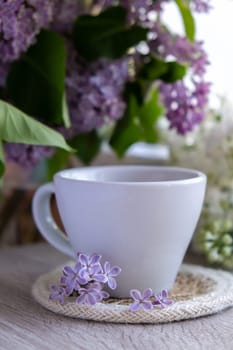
(57, 294)
(141, 300)
(110, 273)
(162, 299)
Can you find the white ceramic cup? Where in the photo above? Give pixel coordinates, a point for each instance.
(141, 218)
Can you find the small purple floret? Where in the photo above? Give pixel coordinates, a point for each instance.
(162, 299)
(141, 300)
(57, 294)
(91, 294)
(90, 268)
(72, 279)
(110, 273)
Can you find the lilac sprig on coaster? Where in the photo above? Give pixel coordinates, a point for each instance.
(86, 280)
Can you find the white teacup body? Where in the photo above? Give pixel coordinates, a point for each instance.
(140, 218)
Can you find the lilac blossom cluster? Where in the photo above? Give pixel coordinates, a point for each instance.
(65, 13)
(142, 10)
(95, 91)
(86, 280)
(186, 100)
(20, 22)
(185, 107)
(26, 155)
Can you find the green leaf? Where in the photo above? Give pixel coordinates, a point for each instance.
(153, 69)
(106, 35)
(127, 130)
(87, 145)
(139, 120)
(175, 71)
(188, 20)
(57, 162)
(149, 113)
(169, 72)
(36, 82)
(15, 126)
(65, 112)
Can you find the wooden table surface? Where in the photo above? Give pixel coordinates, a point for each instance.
(25, 325)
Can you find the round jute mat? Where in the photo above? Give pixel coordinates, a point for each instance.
(198, 291)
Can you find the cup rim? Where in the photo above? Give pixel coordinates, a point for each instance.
(197, 177)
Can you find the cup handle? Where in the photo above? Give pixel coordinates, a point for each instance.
(45, 222)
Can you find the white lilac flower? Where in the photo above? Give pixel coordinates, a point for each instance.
(215, 240)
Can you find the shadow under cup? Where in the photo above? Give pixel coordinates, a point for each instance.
(141, 218)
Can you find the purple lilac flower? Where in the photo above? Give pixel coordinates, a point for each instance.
(162, 299)
(191, 53)
(26, 156)
(184, 108)
(201, 6)
(90, 268)
(94, 91)
(20, 22)
(140, 10)
(189, 109)
(143, 12)
(141, 300)
(57, 294)
(185, 102)
(180, 48)
(65, 13)
(111, 273)
(72, 279)
(137, 10)
(91, 294)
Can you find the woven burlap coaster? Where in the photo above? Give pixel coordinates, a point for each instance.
(198, 291)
